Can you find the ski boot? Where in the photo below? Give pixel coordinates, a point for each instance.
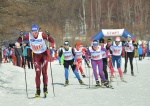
(132, 73)
(97, 83)
(66, 82)
(111, 77)
(125, 71)
(45, 89)
(81, 82)
(104, 83)
(38, 91)
(122, 79)
(83, 75)
(88, 66)
(107, 81)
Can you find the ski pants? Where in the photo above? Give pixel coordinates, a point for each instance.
(129, 55)
(79, 65)
(41, 65)
(105, 68)
(68, 63)
(117, 59)
(98, 63)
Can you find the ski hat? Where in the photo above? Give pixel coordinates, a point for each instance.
(95, 43)
(128, 36)
(34, 27)
(78, 44)
(66, 43)
(101, 40)
(109, 40)
(117, 38)
(21, 32)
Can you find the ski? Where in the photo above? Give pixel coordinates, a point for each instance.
(124, 81)
(101, 86)
(110, 86)
(72, 84)
(45, 95)
(37, 97)
(96, 86)
(66, 85)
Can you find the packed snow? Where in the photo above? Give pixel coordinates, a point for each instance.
(136, 92)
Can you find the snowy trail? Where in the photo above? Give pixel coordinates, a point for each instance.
(136, 92)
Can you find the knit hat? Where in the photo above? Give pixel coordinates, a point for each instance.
(34, 27)
(109, 40)
(66, 43)
(117, 38)
(128, 36)
(95, 43)
(101, 40)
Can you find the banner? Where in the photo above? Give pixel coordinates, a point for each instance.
(113, 32)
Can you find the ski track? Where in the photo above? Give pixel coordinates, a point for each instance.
(136, 92)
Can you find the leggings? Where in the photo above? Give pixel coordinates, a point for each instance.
(98, 63)
(129, 55)
(41, 65)
(68, 63)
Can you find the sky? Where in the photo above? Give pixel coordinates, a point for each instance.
(136, 92)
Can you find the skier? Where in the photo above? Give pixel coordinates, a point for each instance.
(129, 53)
(104, 57)
(69, 60)
(58, 51)
(40, 53)
(116, 49)
(79, 53)
(110, 65)
(85, 56)
(140, 51)
(96, 60)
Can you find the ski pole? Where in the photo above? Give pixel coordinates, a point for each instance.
(89, 77)
(21, 33)
(136, 65)
(25, 77)
(52, 79)
(115, 72)
(26, 82)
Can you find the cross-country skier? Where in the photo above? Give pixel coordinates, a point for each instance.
(104, 57)
(129, 53)
(40, 54)
(79, 54)
(116, 49)
(96, 60)
(110, 65)
(69, 60)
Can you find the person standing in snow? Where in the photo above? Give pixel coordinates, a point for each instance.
(129, 53)
(18, 54)
(69, 60)
(140, 51)
(40, 54)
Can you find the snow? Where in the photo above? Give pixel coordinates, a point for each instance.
(136, 92)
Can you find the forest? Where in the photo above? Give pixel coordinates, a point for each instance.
(74, 20)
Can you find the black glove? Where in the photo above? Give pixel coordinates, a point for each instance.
(47, 33)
